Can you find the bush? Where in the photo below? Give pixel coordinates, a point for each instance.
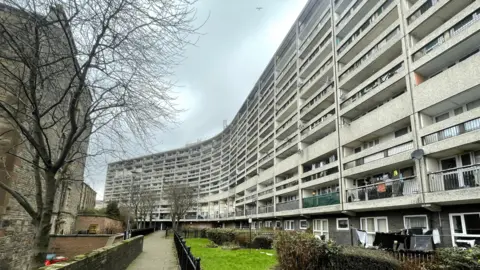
(221, 236)
(361, 258)
(262, 241)
(456, 258)
(297, 251)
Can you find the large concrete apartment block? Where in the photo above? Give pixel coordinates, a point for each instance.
(325, 137)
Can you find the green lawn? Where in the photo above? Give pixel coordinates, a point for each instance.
(241, 259)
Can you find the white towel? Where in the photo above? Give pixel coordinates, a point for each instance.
(436, 236)
(362, 237)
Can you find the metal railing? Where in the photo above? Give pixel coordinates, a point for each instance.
(452, 131)
(251, 211)
(457, 178)
(290, 205)
(322, 200)
(385, 189)
(186, 260)
(265, 209)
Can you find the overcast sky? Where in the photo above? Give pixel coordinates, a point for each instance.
(221, 70)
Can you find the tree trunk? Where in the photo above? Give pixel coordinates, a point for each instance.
(43, 227)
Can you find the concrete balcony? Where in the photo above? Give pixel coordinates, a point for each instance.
(447, 44)
(459, 85)
(396, 111)
(287, 147)
(353, 16)
(265, 209)
(341, 5)
(287, 72)
(287, 128)
(266, 161)
(327, 179)
(318, 55)
(380, 53)
(424, 20)
(313, 33)
(321, 200)
(287, 108)
(388, 84)
(317, 103)
(320, 147)
(322, 76)
(291, 189)
(389, 194)
(461, 185)
(266, 144)
(286, 206)
(318, 127)
(268, 193)
(372, 26)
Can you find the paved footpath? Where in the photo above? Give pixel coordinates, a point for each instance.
(158, 254)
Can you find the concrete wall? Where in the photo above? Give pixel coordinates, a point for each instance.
(115, 257)
(105, 224)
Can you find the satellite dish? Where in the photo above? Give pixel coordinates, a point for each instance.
(417, 154)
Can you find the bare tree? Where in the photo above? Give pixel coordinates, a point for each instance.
(82, 74)
(181, 198)
(133, 202)
(147, 206)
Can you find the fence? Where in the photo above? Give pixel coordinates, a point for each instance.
(415, 257)
(143, 232)
(185, 258)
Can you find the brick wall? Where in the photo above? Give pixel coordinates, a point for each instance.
(72, 245)
(105, 224)
(115, 257)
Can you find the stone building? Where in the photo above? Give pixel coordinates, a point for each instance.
(16, 229)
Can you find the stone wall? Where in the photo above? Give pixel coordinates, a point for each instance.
(72, 245)
(115, 257)
(105, 224)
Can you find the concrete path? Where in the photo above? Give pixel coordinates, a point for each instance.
(158, 254)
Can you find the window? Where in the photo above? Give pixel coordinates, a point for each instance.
(358, 150)
(415, 221)
(465, 225)
(372, 225)
(342, 224)
(268, 224)
(288, 225)
(441, 117)
(320, 227)
(458, 110)
(401, 132)
(303, 224)
(472, 105)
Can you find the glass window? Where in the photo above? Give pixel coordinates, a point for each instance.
(303, 224)
(342, 224)
(472, 105)
(372, 225)
(441, 117)
(458, 110)
(320, 227)
(401, 132)
(457, 224)
(472, 223)
(415, 222)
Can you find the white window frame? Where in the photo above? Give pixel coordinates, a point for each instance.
(300, 224)
(464, 228)
(291, 225)
(322, 231)
(343, 229)
(413, 216)
(375, 223)
(268, 224)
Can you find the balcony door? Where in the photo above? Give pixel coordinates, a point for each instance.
(456, 173)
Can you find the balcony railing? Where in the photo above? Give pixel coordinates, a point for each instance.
(380, 155)
(239, 213)
(316, 99)
(265, 192)
(450, 33)
(251, 212)
(385, 189)
(459, 129)
(372, 53)
(458, 178)
(265, 209)
(421, 10)
(349, 13)
(312, 78)
(290, 205)
(321, 200)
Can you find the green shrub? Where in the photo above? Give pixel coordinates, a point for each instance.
(296, 250)
(361, 258)
(456, 258)
(262, 241)
(221, 236)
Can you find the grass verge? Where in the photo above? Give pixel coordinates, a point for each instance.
(219, 259)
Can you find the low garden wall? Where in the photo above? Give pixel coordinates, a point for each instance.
(70, 245)
(115, 257)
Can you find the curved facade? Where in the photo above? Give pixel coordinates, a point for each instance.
(325, 137)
